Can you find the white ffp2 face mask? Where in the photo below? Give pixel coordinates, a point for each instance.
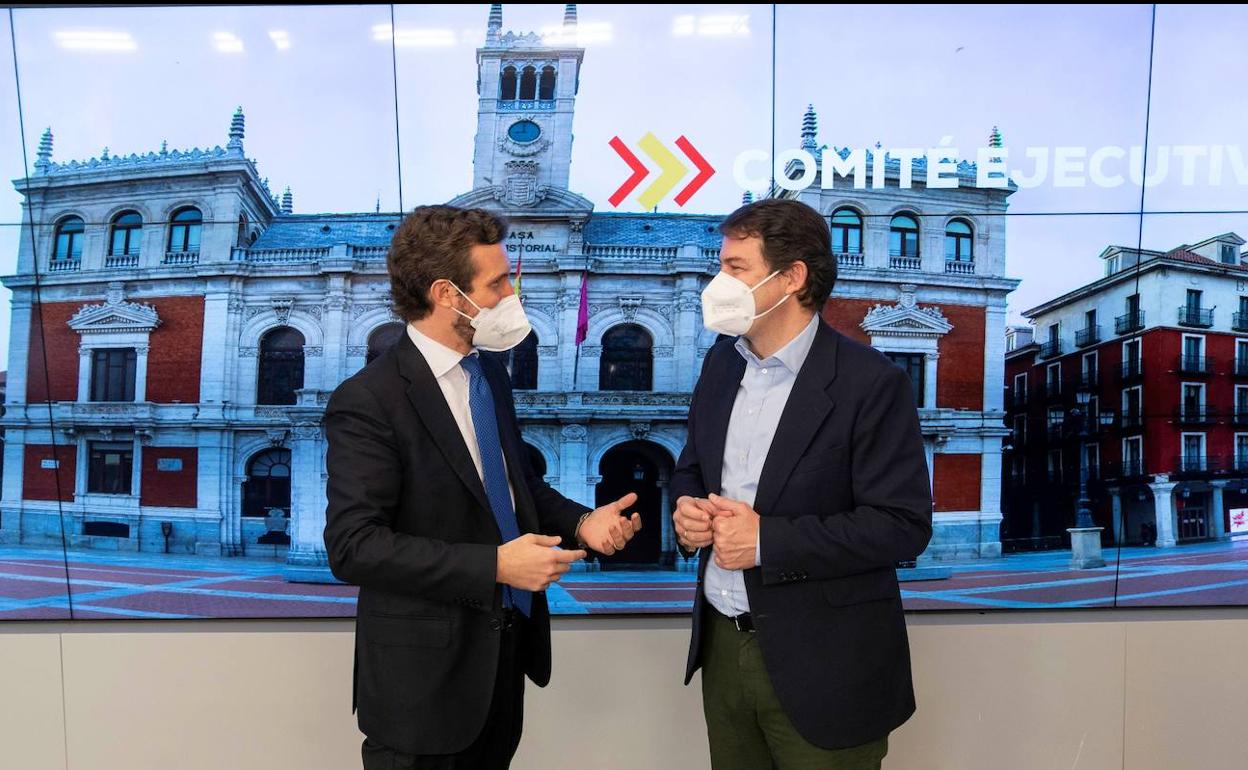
(497, 328)
(728, 304)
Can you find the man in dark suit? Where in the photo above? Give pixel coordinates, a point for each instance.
(436, 514)
(802, 483)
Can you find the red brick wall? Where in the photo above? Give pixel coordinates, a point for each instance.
(177, 344)
(844, 315)
(173, 362)
(961, 381)
(61, 357)
(960, 384)
(955, 483)
(169, 488)
(40, 483)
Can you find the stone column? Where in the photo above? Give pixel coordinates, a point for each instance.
(1163, 509)
(1218, 528)
(84, 376)
(667, 548)
(140, 372)
(1115, 500)
(306, 558)
(573, 463)
(213, 365)
(929, 379)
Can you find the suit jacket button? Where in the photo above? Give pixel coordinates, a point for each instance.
(496, 624)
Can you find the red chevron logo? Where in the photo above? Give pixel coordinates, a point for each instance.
(672, 171)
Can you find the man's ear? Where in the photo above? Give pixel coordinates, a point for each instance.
(799, 273)
(441, 290)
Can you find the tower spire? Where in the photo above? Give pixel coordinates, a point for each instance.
(237, 124)
(44, 160)
(995, 142)
(810, 128)
(494, 28)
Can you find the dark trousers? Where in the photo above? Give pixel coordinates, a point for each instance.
(499, 738)
(745, 723)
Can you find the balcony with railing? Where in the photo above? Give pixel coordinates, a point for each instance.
(1191, 364)
(850, 259)
(181, 258)
(1129, 322)
(526, 105)
(899, 261)
(1051, 348)
(121, 261)
(1196, 415)
(1089, 335)
(1195, 317)
(64, 265)
(1194, 464)
(1131, 370)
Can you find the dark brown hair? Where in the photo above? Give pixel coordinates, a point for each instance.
(791, 231)
(434, 242)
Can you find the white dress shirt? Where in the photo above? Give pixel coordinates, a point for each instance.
(764, 390)
(453, 380)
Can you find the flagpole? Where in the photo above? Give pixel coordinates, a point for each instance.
(582, 323)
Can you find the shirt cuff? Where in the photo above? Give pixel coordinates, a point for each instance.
(758, 549)
(577, 532)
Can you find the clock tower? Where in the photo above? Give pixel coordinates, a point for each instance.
(526, 84)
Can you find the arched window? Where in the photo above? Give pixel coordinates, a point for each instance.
(846, 232)
(959, 243)
(127, 229)
(268, 483)
(381, 339)
(281, 366)
(528, 84)
(627, 361)
(903, 236)
(507, 85)
(68, 239)
(546, 89)
(185, 230)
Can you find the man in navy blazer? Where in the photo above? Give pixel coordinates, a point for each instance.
(436, 514)
(802, 483)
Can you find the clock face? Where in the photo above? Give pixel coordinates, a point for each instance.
(524, 131)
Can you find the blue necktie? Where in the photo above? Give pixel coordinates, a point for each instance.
(485, 424)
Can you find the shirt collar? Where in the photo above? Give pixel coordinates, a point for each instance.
(791, 356)
(440, 358)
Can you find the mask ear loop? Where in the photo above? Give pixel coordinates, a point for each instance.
(756, 286)
(773, 307)
(465, 296)
(760, 283)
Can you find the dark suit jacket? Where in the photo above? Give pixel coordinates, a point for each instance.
(408, 521)
(843, 495)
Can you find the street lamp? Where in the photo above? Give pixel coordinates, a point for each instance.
(1083, 514)
(1085, 536)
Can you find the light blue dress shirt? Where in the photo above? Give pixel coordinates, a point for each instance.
(760, 401)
